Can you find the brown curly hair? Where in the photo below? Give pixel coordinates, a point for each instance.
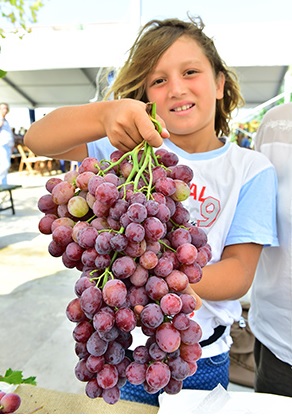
(153, 40)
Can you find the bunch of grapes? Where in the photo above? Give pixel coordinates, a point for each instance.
(9, 402)
(122, 224)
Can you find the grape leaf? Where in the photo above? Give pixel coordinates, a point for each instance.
(16, 377)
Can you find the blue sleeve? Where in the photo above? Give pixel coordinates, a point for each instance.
(100, 149)
(255, 217)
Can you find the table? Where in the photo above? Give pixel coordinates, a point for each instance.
(38, 400)
(9, 188)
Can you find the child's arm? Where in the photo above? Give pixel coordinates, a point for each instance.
(232, 276)
(64, 132)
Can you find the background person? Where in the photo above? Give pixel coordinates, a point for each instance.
(270, 315)
(6, 143)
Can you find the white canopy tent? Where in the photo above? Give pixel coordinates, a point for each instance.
(51, 66)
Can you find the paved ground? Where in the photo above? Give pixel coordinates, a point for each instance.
(36, 336)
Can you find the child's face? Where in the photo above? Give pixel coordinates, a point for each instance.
(184, 88)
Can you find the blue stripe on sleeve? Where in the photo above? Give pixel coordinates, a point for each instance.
(255, 217)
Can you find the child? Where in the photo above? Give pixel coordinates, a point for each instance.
(174, 64)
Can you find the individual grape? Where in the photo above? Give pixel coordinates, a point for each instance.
(68, 222)
(74, 311)
(9, 403)
(114, 293)
(137, 212)
(181, 321)
(177, 281)
(163, 213)
(164, 267)
(188, 303)
(111, 395)
(107, 377)
(107, 193)
(62, 192)
(158, 375)
(141, 354)
(154, 229)
(96, 345)
(91, 300)
(199, 237)
(82, 331)
(123, 267)
(47, 205)
(182, 191)
(118, 209)
(186, 253)
(168, 159)
(87, 236)
(192, 334)
(102, 243)
(182, 172)
(103, 320)
(136, 373)
(138, 296)
(173, 386)
(102, 261)
(62, 235)
(151, 315)
(178, 367)
(156, 353)
(148, 260)
(45, 223)
(125, 319)
(95, 364)
(88, 257)
(165, 185)
(190, 353)
(83, 178)
(78, 206)
(193, 271)
(171, 304)
(115, 353)
(140, 276)
(93, 390)
(179, 236)
(181, 215)
(51, 183)
(74, 251)
(156, 287)
(167, 337)
(81, 371)
(89, 164)
(152, 207)
(134, 249)
(135, 232)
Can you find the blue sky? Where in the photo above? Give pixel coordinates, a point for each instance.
(59, 12)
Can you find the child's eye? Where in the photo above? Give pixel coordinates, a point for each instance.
(158, 81)
(191, 72)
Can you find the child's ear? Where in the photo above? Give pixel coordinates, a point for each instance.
(220, 82)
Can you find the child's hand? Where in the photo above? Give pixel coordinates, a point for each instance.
(127, 124)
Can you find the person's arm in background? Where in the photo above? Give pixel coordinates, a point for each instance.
(63, 133)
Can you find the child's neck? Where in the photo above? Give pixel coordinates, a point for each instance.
(194, 145)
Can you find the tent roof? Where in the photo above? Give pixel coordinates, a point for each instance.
(52, 67)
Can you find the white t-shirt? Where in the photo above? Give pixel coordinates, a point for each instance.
(230, 201)
(270, 315)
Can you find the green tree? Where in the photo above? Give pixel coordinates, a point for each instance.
(18, 15)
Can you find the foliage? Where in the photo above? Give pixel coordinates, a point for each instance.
(18, 15)
(15, 377)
